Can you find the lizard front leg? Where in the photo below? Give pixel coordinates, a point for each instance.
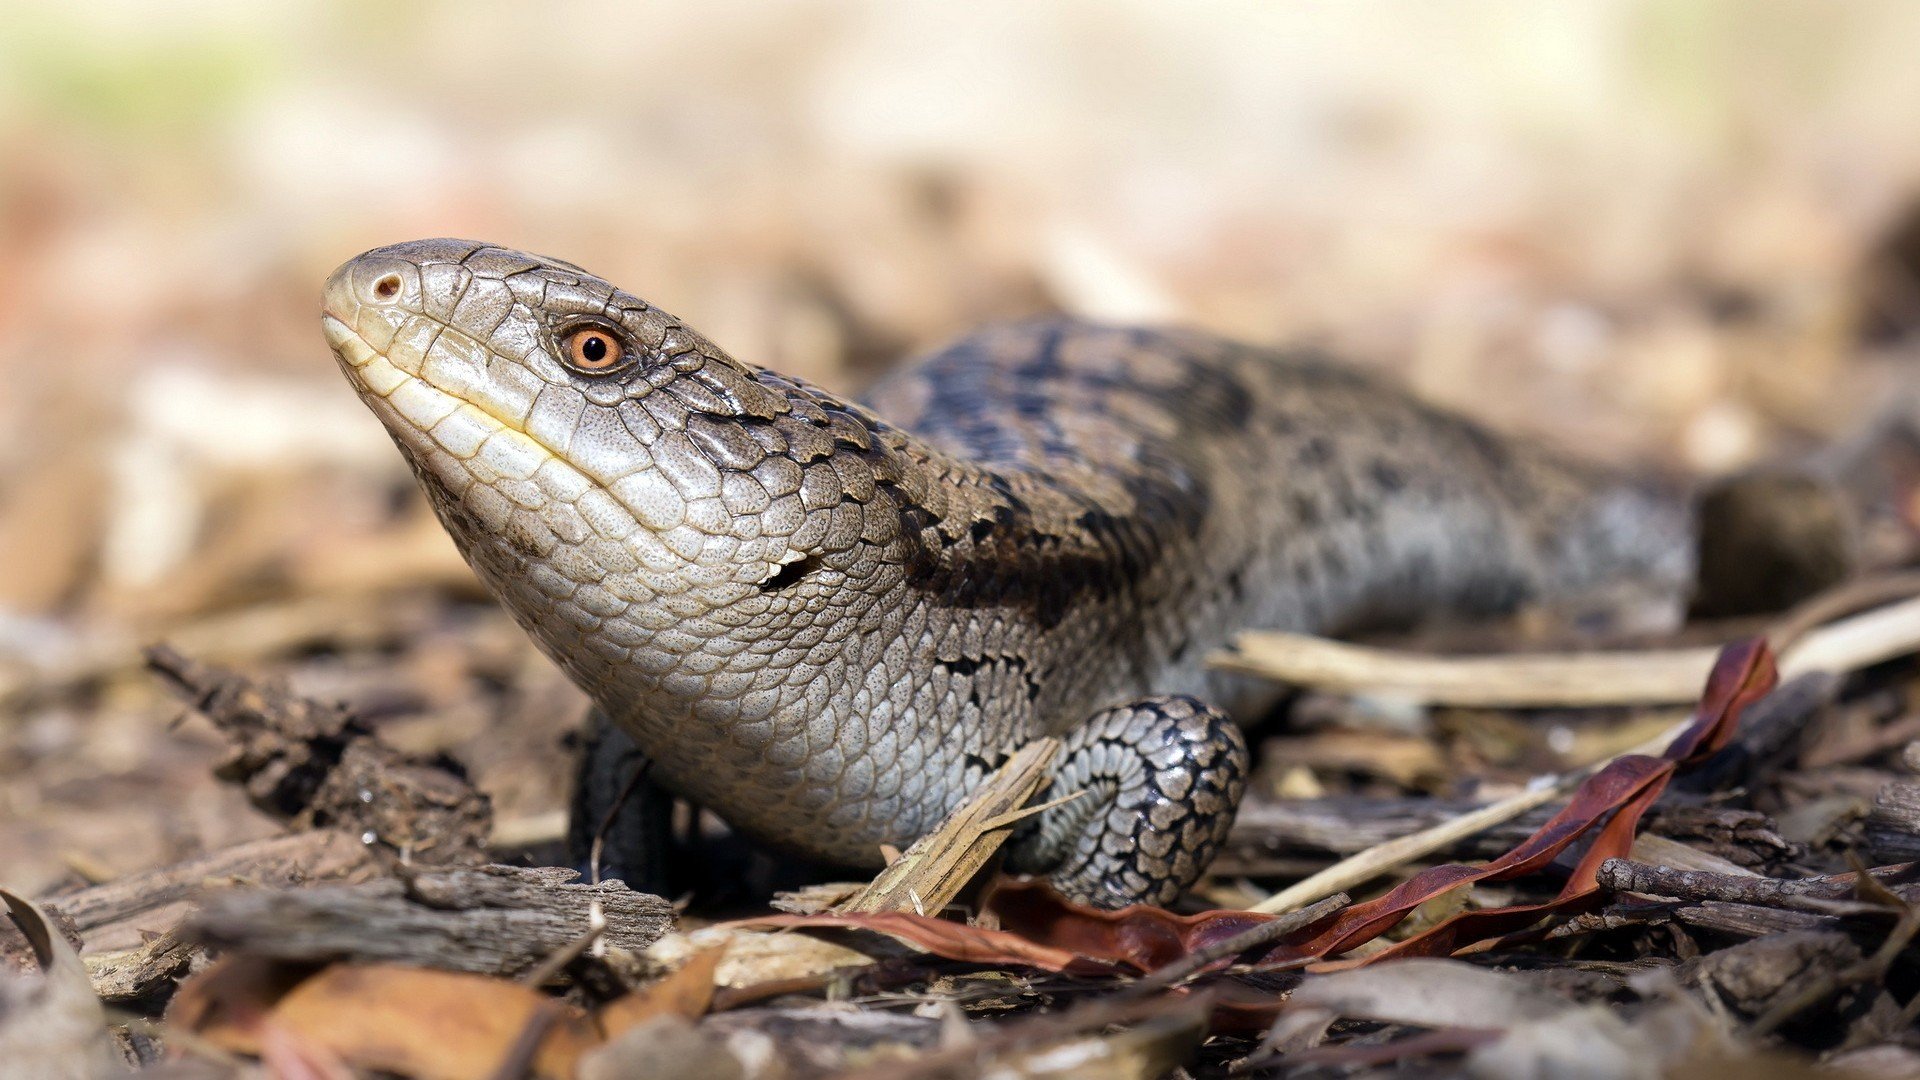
(1161, 779)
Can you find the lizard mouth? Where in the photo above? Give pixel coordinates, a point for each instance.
(422, 407)
(492, 465)
(348, 347)
(448, 432)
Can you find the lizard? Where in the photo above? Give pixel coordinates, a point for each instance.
(828, 620)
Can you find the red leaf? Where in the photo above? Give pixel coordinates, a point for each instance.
(955, 941)
(1141, 937)
(1617, 796)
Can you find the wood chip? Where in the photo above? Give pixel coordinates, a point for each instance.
(928, 875)
(494, 920)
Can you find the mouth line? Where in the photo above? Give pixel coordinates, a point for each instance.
(348, 346)
(355, 354)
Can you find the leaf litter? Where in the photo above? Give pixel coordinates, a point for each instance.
(1561, 956)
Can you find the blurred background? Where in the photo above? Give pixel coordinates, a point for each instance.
(1673, 233)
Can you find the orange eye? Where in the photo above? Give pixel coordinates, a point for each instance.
(593, 350)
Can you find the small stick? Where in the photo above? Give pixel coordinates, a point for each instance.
(606, 820)
(1364, 866)
(1871, 970)
(1252, 937)
(550, 968)
(1529, 681)
(1626, 875)
(1818, 896)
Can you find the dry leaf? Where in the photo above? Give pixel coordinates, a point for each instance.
(1510, 1028)
(955, 941)
(1428, 993)
(434, 1025)
(686, 992)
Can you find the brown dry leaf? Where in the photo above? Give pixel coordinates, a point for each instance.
(51, 1026)
(1609, 805)
(434, 1025)
(957, 941)
(686, 992)
(289, 1056)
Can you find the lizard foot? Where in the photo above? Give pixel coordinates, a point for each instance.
(1163, 777)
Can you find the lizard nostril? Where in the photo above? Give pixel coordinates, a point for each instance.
(387, 287)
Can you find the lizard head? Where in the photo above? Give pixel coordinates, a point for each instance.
(621, 484)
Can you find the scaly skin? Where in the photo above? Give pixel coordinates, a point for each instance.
(827, 626)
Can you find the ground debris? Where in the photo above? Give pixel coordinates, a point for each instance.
(492, 920)
(932, 872)
(121, 914)
(1706, 936)
(1751, 976)
(317, 765)
(51, 1024)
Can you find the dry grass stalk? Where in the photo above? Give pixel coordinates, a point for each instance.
(1538, 680)
(1364, 866)
(1661, 676)
(934, 870)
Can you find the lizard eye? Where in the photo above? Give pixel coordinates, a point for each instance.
(593, 351)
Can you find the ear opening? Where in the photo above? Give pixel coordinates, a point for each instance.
(790, 574)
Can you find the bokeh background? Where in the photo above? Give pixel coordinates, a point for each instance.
(1675, 233)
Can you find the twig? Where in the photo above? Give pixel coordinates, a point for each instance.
(550, 968)
(1252, 937)
(1856, 642)
(1820, 896)
(1842, 646)
(606, 820)
(1365, 866)
(1845, 599)
(112, 916)
(1852, 751)
(1531, 681)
